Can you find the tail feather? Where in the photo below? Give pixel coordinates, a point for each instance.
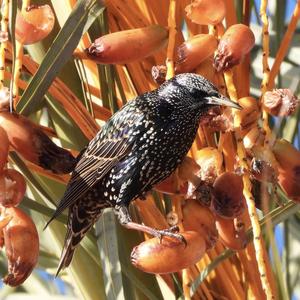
(67, 253)
(77, 228)
(49, 221)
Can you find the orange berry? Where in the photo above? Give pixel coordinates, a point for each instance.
(206, 12)
(280, 102)
(288, 158)
(168, 255)
(34, 24)
(231, 235)
(197, 217)
(237, 41)
(211, 161)
(12, 188)
(21, 245)
(34, 145)
(194, 51)
(229, 201)
(128, 45)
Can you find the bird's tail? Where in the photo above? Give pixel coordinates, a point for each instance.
(67, 253)
(79, 223)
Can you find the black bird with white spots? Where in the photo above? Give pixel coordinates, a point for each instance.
(141, 145)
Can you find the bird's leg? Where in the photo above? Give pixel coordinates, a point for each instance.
(125, 220)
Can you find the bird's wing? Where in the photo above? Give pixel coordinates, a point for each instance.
(111, 145)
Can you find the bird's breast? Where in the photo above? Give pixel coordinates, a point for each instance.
(156, 153)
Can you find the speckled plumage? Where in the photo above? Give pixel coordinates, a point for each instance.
(138, 147)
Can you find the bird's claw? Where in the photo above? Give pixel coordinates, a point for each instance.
(171, 232)
(174, 229)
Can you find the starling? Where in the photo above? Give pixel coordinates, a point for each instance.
(141, 145)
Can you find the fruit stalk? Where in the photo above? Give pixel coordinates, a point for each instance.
(172, 39)
(258, 245)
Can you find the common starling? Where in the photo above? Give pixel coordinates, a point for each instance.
(138, 147)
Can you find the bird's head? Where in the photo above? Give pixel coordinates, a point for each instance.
(201, 91)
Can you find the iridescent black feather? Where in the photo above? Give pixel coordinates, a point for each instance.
(138, 147)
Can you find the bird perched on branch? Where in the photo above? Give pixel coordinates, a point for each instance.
(141, 145)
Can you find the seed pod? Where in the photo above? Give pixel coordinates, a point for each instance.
(194, 51)
(206, 12)
(211, 160)
(206, 70)
(159, 73)
(12, 188)
(168, 255)
(4, 147)
(34, 24)
(253, 138)
(34, 145)
(171, 186)
(229, 201)
(237, 41)
(290, 184)
(197, 217)
(218, 120)
(265, 164)
(114, 48)
(286, 154)
(249, 114)
(188, 170)
(204, 193)
(4, 220)
(263, 171)
(21, 245)
(280, 102)
(288, 158)
(178, 183)
(231, 233)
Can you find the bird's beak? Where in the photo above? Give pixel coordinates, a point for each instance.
(222, 100)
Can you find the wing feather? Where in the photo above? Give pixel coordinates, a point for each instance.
(109, 147)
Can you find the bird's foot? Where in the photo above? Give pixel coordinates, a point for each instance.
(171, 232)
(160, 233)
(125, 220)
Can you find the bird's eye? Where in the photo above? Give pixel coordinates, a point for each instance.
(196, 93)
(214, 94)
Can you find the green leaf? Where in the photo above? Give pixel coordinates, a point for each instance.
(47, 260)
(83, 15)
(42, 209)
(65, 127)
(109, 254)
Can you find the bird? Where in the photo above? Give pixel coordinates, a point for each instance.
(138, 147)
